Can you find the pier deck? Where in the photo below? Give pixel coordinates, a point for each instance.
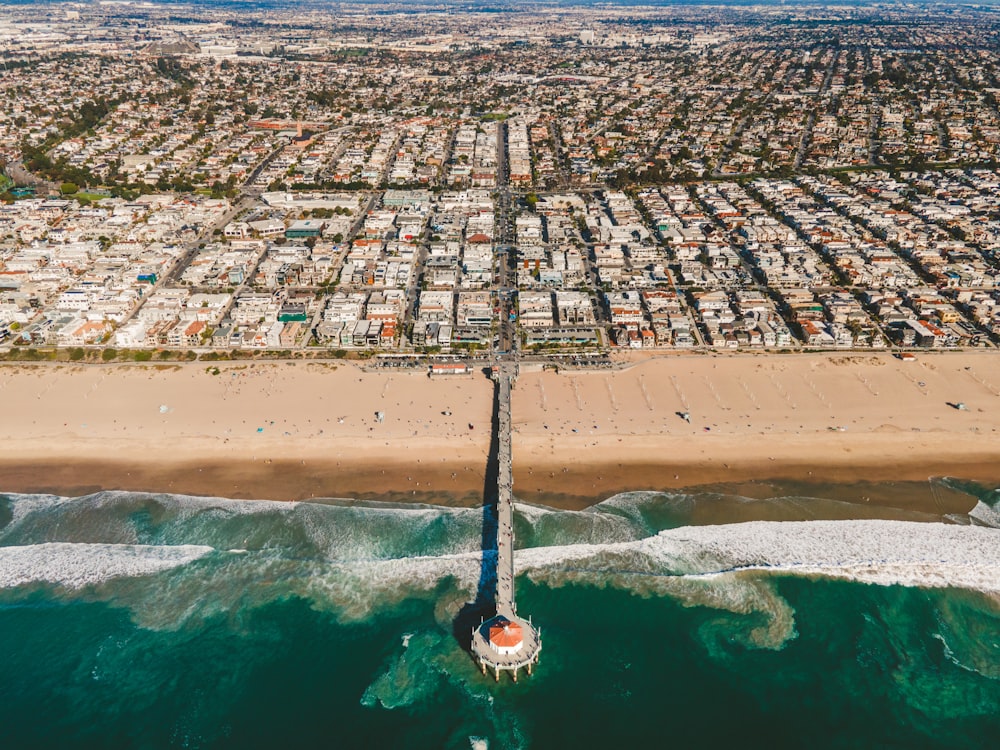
(506, 607)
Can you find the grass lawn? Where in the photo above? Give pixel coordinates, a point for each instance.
(89, 196)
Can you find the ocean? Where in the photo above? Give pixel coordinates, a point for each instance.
(132, 620)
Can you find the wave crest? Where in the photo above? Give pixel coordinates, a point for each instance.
(355, 559)
(76, 566)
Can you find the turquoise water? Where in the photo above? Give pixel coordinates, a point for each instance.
(155, 621)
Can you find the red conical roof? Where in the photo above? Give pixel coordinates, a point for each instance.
(506, 634)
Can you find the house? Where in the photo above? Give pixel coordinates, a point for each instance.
(194, 333)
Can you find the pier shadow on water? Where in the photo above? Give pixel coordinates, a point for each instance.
(484, 605)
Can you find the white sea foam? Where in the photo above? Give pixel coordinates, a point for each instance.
(354, 560)
(595, 525)
(696, 563)
(185, 506)
(986, 515)
(24, 505)
(630, 501)
(883, 552)
(196, 503)
(950, 655)
(78, 565)
(533, 512)
(355, 588)
(715, 566)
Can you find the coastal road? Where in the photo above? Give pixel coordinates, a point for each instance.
(505, 287)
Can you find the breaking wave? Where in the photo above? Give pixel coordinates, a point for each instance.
(78, 565)
(353, 559)
(193, 570)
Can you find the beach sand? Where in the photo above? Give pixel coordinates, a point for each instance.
(264, 431)
(826, 418)
(284, 430)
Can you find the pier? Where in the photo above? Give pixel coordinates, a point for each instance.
(505, 642)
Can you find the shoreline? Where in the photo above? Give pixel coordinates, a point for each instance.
(299, 430)
(902, 486)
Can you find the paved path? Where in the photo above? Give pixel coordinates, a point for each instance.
(505, 499)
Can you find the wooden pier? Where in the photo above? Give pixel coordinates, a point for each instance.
(505, 642)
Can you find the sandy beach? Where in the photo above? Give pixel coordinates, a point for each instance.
(819, 418)
(262, 431)
(287, 430)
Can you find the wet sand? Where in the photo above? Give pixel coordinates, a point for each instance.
(282, 480)
(444, 484)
